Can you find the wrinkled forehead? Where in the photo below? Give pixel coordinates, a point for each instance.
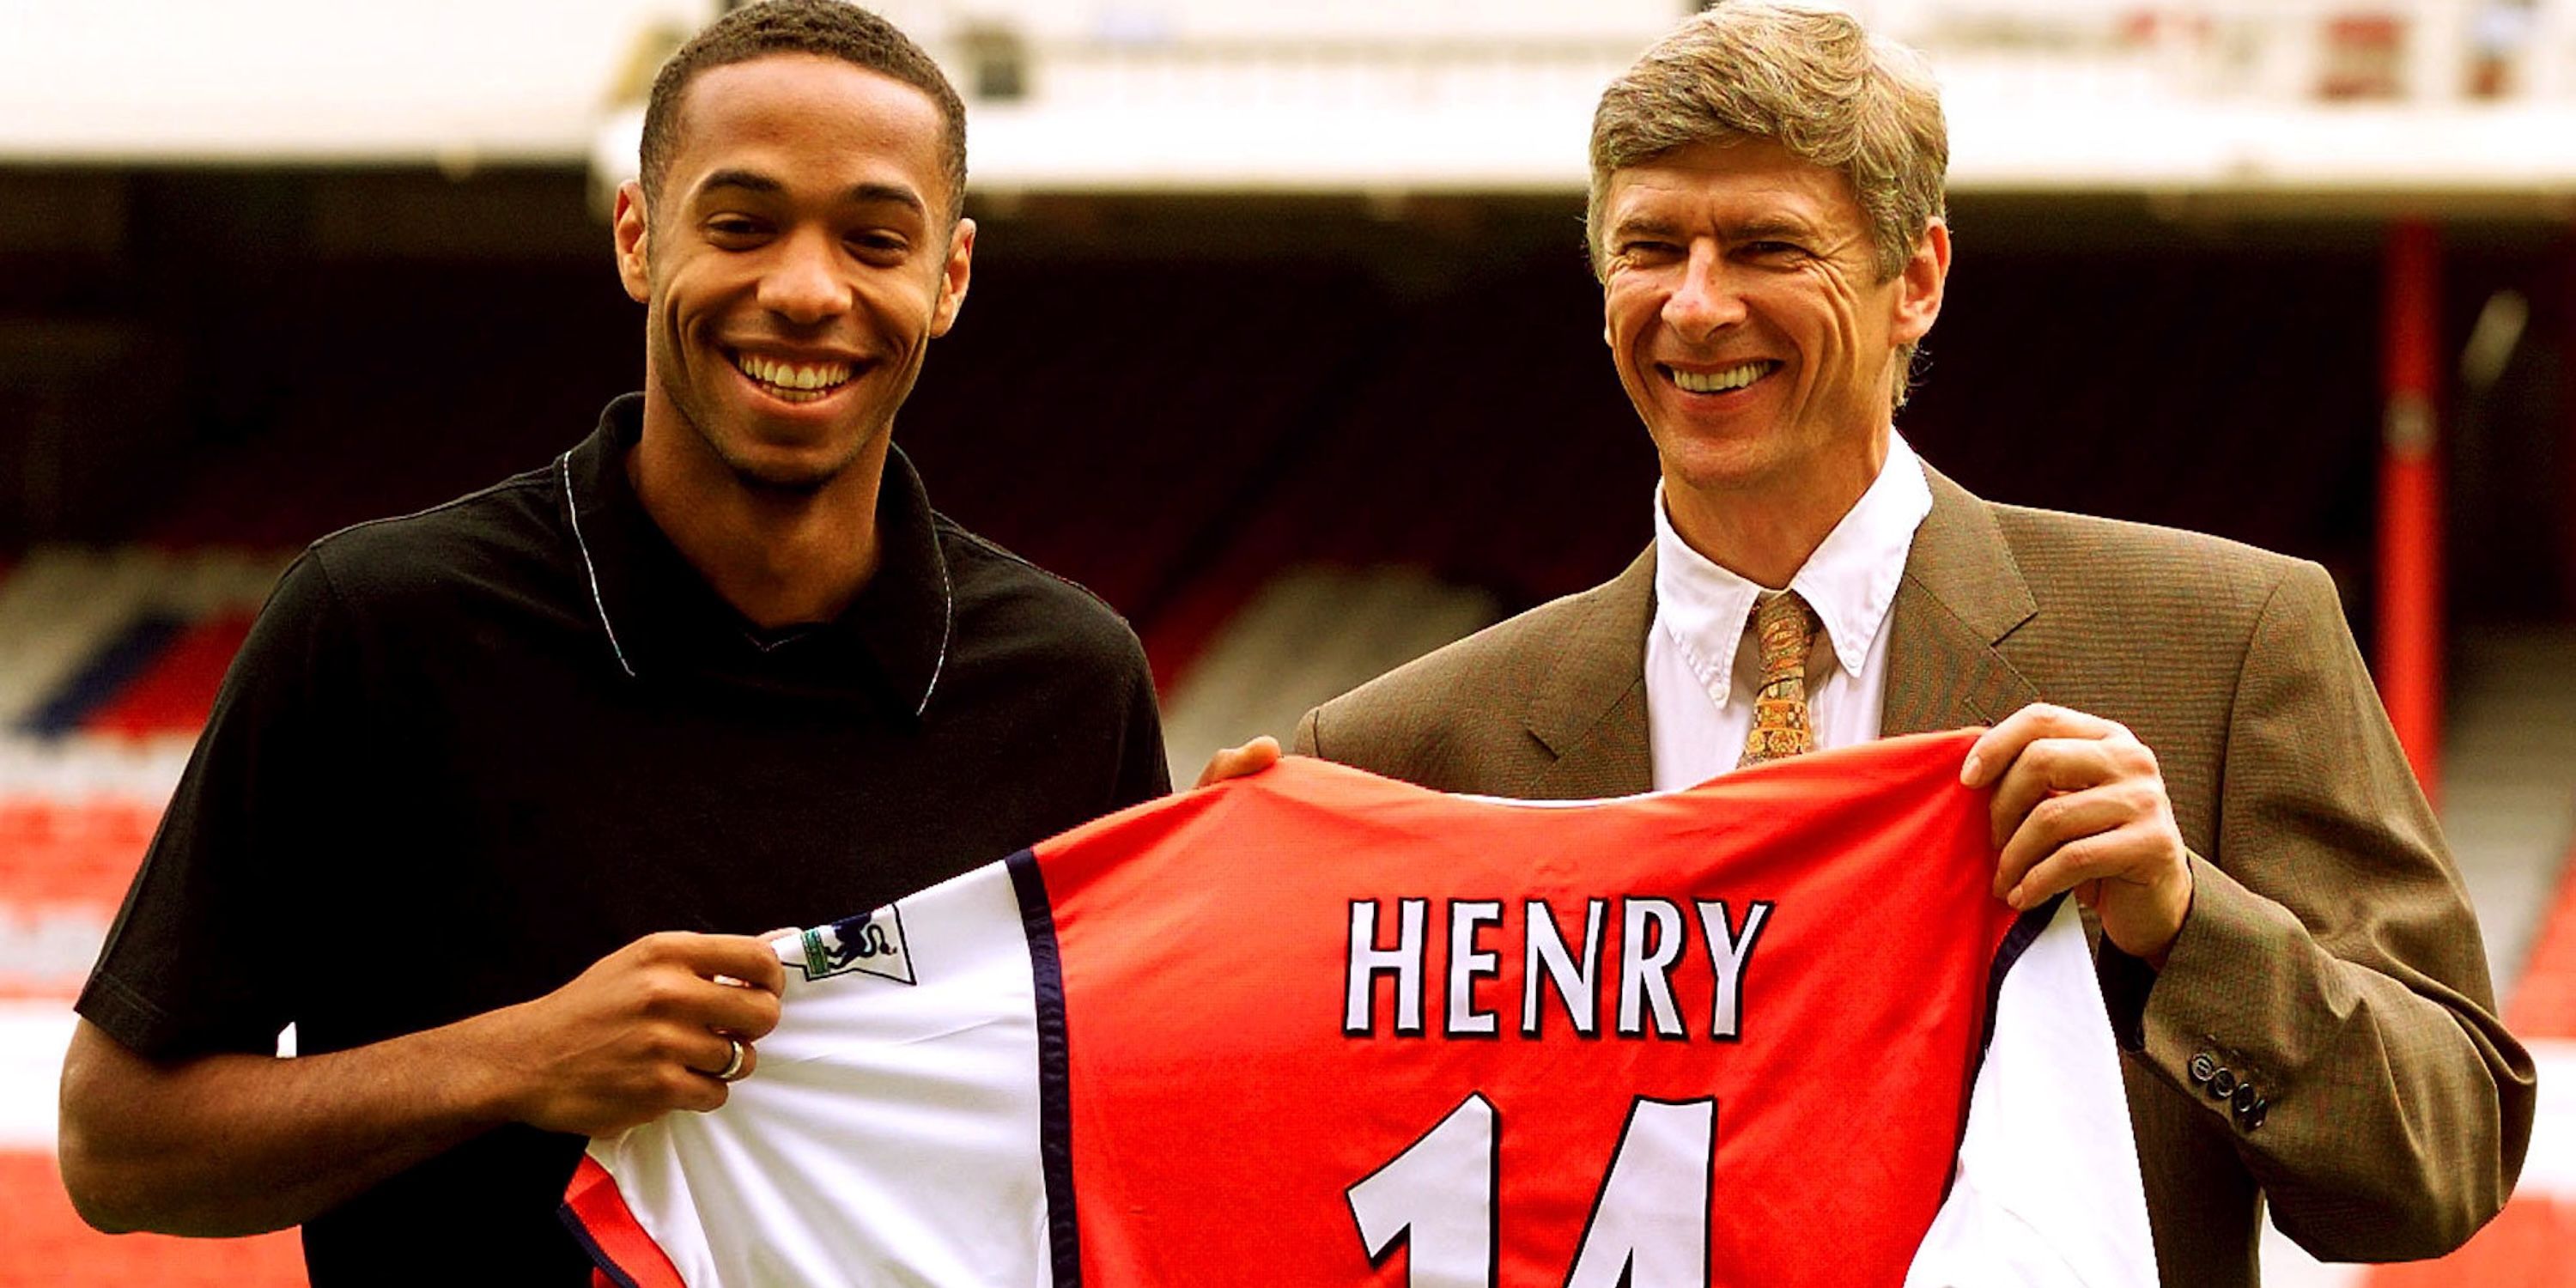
(1742, 178)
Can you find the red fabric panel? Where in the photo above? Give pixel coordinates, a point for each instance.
(593, 1200)
(1223, 1132)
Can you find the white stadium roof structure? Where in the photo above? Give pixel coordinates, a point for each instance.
(1334, 96)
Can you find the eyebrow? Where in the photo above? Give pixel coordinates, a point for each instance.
(1770, 228)
(865, 194)
(1645, 225)
(1758, 228)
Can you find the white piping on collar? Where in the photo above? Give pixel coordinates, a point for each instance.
(947, 594)
(563, 471)
(947, 622)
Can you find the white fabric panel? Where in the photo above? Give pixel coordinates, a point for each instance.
(890, 1135)
(2047, 1191)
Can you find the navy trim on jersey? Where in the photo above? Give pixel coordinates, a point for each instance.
(599, 1258)
(1055, 1089)
(2024, 932)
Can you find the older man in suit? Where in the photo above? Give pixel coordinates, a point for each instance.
(2183, 734)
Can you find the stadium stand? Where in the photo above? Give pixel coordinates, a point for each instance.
(1280, 340)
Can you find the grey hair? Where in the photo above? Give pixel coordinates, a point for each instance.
(1810, 80)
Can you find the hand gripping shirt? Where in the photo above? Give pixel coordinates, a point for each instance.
(1315, 1027)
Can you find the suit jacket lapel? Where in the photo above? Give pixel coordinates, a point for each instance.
(1961, 596)
(1589, 709)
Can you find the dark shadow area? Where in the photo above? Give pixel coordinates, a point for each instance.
(1168, 398)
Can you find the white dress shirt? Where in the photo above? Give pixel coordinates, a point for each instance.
(1700, 678)
(2047, 1191)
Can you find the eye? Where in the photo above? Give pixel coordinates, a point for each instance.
(735, 230)
(1648, 251)
(1773, 249)
(877, 244)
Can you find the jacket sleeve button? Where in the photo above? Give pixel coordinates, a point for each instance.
(2202, 1066)
(2222, 1084)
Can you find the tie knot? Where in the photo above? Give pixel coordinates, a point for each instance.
(1785, 628)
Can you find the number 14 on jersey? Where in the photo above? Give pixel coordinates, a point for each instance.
(1649, 1221)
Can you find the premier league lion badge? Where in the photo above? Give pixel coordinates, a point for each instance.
(872, 943)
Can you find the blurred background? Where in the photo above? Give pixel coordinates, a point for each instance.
(1281, 338)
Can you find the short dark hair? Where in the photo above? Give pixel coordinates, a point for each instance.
(826, 28)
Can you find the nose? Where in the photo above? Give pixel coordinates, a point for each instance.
(805, 285)
(1706, 300)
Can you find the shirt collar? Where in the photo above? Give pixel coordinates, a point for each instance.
(661, 619)
(1850, 580)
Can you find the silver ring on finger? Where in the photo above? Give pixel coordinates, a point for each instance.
(733, 1070)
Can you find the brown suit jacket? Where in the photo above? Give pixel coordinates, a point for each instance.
(2330, 956)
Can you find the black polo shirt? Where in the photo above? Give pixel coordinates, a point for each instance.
(468, 752)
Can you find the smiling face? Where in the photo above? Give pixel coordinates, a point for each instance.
(1749, 325)
(795, 266)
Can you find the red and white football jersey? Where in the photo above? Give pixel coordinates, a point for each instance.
(1316, 1027)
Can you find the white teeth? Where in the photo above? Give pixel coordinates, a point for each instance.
(1716, 382)
(792, 377)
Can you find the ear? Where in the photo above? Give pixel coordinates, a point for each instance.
(1920, 283)
(630, 227)
(953, 276)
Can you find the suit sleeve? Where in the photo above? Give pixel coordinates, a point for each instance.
(1309, 739)
(2331, 963)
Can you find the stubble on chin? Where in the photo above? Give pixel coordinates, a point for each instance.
(779, 480)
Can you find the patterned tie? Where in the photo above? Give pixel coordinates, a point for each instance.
(1786, 629)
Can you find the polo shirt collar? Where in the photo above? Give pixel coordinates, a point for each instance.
(660, 619)
(1850, 581)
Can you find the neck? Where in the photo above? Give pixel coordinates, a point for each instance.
(1764, 530)
(780, 557)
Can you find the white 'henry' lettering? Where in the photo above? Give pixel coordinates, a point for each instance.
(1654, 945)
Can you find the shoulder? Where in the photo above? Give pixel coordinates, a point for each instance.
(2114, 570)
(385, 561)
(998, 593)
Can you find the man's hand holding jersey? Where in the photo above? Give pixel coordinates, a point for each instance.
(645, 1030)
(661, 1024)
(1235, 762)
(2079, 804)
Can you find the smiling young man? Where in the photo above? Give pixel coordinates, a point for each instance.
(2182, 733)
(497, 794)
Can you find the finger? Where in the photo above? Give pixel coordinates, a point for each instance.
(698, 1091)
(2055, 822)
(745, 959)
(673, 996)
(747, 1012)
(2049, 767)
(1995, 750)
(769, 939)
(2124, 855)
(1235, 762)
(714, 1063)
